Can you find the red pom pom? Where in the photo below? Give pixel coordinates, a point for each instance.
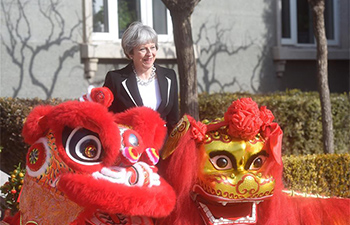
(266, 116)
(198, 130)
(102, 95)
(243, 118)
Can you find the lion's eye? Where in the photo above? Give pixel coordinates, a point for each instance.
(133, 140)
(82, 146)
(90, 151)
(221, 162)
(130, 138)
(131, 146)
(258, 162)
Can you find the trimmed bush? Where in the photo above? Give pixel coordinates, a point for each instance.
(324, 174)
(13, 114)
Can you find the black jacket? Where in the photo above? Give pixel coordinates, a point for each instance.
(123, 85)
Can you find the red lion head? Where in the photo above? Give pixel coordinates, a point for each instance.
(229, 171)
(87, 165)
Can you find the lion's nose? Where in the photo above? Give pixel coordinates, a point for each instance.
(247, 184)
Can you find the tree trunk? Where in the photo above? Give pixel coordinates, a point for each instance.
(186, 65)
(317, 8)
(181, 11)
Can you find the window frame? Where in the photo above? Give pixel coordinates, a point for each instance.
(146, 8)
(293, 26)
(112, 24)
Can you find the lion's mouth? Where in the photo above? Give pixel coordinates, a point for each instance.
(231, 213)
(140, 174)
(219, 211)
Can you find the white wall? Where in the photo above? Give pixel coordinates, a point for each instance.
(40, 57)
(235, 38)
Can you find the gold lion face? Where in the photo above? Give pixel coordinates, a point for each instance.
(231, 180)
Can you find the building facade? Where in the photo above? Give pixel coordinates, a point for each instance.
(58, 48)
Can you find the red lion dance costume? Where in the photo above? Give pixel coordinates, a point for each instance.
(230, 172)
(89, 166)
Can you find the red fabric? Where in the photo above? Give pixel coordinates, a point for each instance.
(181, 171)
(13, 220)
(283, 209)
(274, 135)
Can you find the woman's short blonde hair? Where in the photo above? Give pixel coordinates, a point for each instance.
(138, 34)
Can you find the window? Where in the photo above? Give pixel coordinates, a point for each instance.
(112, 17)
(100, 18)
(104, 20)
(297, 28)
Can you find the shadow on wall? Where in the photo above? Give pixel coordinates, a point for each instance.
(265, 72)
(222, 45)
(210, 50)
(24, 49)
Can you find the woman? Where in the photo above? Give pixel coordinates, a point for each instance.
(142, 82)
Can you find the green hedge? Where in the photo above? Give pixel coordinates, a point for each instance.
(327, 175)
(299, 115)
(13, 113)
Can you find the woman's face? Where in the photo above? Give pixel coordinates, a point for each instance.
(144, 56)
